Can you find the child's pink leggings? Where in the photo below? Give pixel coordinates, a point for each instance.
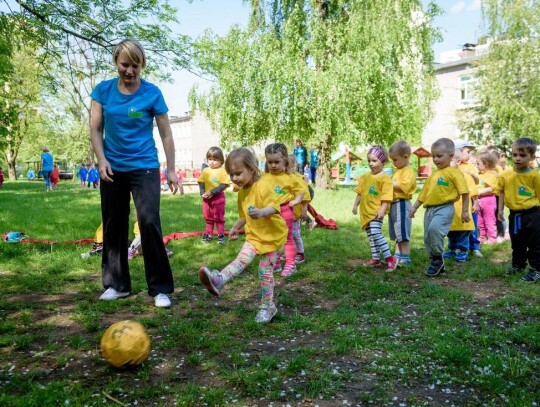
(290, 248)
(487, 223)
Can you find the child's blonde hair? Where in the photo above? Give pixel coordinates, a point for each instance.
(401, 148)
(291, 168)
(488, 158)
(277, 148)
(245, 157)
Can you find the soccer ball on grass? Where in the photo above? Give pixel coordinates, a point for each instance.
(125, 343)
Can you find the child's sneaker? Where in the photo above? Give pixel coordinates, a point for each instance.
(461, 256)
(312, 225)
(435, 268)
(132, 253)
(221, 239)
(450, 254)
(404, 262)
(206, 238)
(169, 252)
(391, 263)
(212, 280)
(97, 248)
(299, 258)
(477, 253)
(372, 263)
(532, 276)
(500, 239)
(266, 313)
(513, 271)
(288, 271)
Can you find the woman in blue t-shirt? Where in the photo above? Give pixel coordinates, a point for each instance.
(47, 162)
(121, 130)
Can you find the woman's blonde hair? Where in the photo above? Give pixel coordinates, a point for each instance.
(132, 49)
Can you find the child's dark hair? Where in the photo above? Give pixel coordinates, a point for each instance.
(277, 148)
(215, 153)
(525, 145)
(488, 158)
(401, 148)
(246, 157)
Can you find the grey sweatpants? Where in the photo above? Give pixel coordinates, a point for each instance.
(437, 222)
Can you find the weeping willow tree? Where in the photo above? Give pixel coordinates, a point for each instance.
(508, 92)
(322, 71)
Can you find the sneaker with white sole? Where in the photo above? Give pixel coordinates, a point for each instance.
(162, 300)
(266, 313)
(477, 253)
(212, 280)
(111, 294)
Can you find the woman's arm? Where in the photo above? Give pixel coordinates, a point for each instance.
(165, 133)
(96, 138)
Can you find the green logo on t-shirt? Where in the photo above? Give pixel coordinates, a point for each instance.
(522, 191)
(442, 182)
(279, 191)
(373, 191)
(215, 180)
(133, 113)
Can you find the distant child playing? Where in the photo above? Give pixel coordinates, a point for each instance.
(213, 181)
(441, 189)
(374, 194)
(55, 177)
(300, 211)
(519, 190)
(487, 210)
(266, 231)
(1, 178)
(289, 192)
(404, 184)
(458, 236)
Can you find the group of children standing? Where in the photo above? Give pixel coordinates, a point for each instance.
(89, 175)
(459, 199)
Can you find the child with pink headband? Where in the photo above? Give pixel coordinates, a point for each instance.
(374, 194)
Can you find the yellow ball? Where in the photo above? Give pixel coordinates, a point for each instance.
(125, 343)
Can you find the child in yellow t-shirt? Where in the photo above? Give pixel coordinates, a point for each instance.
(289, 192)
(213, 181)
(374, 194)
(300, 211)
(468, 166)
(519, 190)
(404, 184)
(266, 231)
(441, 189)
(458, 236)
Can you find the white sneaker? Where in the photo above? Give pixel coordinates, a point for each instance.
(162, 300)
(111, 294)
(266, 313)
(477, 253)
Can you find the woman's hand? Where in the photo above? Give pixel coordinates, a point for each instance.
(105, 170)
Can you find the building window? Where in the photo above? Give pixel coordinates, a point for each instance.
(467, 86)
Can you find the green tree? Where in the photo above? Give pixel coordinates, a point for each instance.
(322, 71)
(508, 76)
(21, 94)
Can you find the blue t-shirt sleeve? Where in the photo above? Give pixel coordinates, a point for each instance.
(160, 107)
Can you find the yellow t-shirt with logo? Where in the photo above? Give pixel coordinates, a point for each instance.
(405, 178)
(443, 186)
(307, 198)
(373, 191)
(267, 234)
(489, 178)
(285, 186)
(457, 224)
(213, 177)
(521, 189)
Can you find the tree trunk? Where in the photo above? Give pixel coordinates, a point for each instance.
(11, 159)
(324, 171)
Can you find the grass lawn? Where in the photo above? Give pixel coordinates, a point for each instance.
(344, 334)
